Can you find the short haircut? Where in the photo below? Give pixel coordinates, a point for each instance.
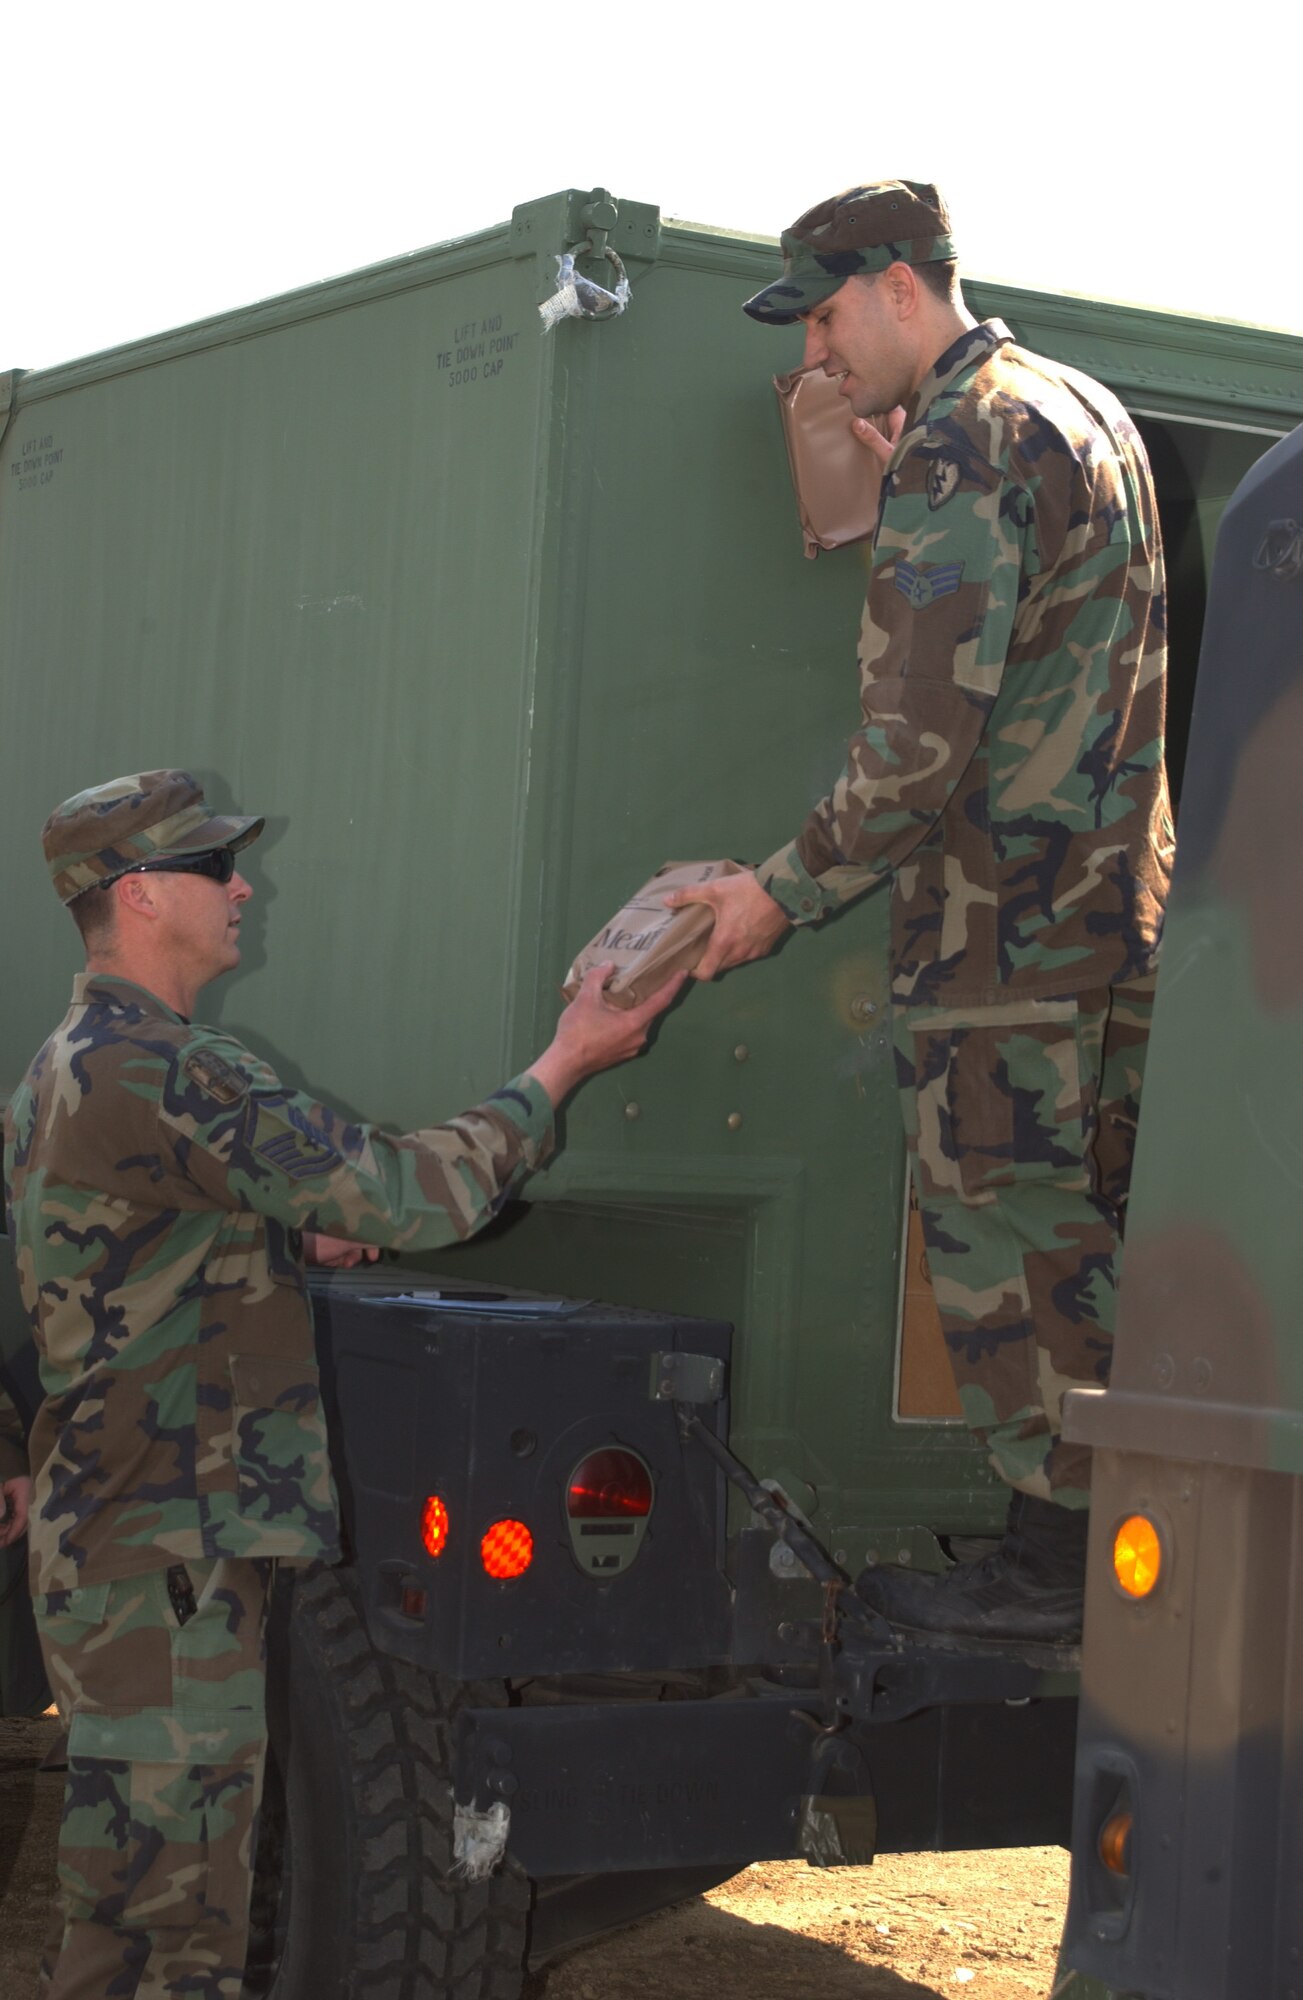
(93, 913)
(941, 277)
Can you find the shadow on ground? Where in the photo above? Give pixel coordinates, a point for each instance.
(697, 1952)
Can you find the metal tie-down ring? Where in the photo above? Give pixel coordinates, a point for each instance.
(603, 310)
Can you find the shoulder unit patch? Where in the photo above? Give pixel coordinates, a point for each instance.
(921, 584)
(942, 482)
(215, 1076)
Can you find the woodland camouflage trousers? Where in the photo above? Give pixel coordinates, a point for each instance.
(159, 1679)
(1021, 1120)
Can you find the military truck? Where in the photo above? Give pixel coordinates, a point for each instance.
(1187, 1832)
(491, 621)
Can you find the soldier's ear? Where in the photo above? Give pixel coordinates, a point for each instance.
(137, 896)
(901, 281)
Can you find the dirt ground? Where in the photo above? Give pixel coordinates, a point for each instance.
(913, 1925)
(917, 1925)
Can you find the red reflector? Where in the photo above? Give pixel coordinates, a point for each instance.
(609, 1485)
(412, 1603)
(507, 1550)
(434, 1526)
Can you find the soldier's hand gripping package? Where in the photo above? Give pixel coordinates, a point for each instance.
(645, 942)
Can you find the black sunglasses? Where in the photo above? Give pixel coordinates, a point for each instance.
(218, 863)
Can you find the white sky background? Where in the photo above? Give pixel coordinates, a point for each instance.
(165, 162)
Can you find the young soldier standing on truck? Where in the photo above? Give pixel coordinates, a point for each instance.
(158, 1179)
(1008, 780)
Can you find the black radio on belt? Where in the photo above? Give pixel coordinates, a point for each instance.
(182, 1593)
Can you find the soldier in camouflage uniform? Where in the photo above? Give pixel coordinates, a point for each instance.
(159, 1177)
(1007, 780)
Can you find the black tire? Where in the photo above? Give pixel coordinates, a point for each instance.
(354, 1895)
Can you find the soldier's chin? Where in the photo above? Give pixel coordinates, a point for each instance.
(863, 404)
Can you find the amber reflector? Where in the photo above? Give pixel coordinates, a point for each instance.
(1115, 1843)
(507, 1550)
(1137, 1556)
(434, 1526)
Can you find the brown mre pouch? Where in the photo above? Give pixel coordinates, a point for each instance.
(837, 481)
(644, 941)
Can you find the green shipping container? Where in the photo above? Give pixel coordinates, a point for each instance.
(491, 622)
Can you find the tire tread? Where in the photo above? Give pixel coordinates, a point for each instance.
(412, 1932)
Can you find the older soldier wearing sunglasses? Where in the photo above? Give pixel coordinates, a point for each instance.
(160, 1179)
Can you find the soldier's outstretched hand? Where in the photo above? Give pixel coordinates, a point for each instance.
(748, 922)
(592, 1035)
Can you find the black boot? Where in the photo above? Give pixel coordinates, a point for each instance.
(1029, 1590)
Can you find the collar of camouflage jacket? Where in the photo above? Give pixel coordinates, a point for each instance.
(112, 987)
(963, 356)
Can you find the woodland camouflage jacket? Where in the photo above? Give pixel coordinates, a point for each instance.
(1009, 768)
(156, 1175)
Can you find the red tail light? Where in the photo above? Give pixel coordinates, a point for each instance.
(507, 1550)
(434, 1526)
(610, 1485)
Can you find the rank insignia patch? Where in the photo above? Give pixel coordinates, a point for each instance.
(921, 584)
(298, 1156)
(942, 482)
(215, 1076)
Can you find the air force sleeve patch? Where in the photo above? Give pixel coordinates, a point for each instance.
(921, 584)
(300, 1156)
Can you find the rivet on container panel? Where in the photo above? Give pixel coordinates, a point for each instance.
(741, 1052)
(632, 1111)
(862, 1008)
(734, 1121)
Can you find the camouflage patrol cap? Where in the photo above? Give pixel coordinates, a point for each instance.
(864, 229)
(111, 828)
